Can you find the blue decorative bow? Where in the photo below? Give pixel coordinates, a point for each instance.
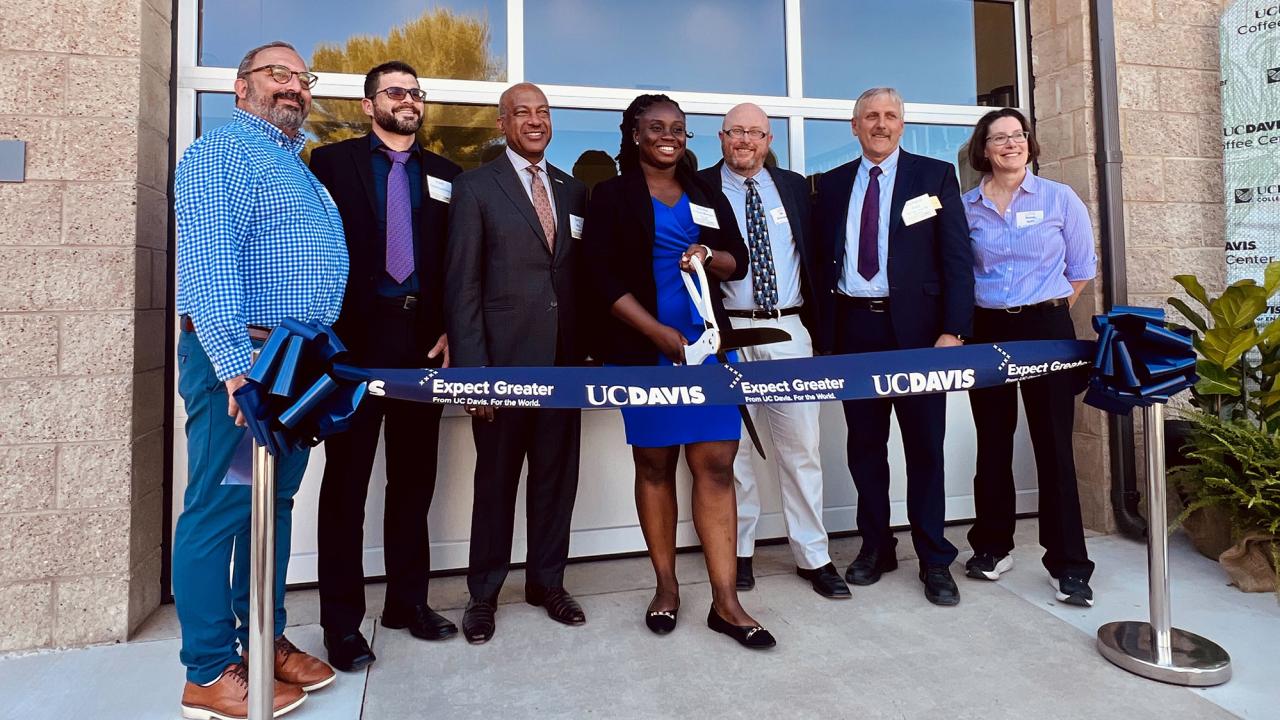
(1140, 362)
(293, 399)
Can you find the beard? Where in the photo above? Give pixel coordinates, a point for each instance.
(389, 121)
(269, 107)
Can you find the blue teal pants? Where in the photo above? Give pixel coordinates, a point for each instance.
(214, 525)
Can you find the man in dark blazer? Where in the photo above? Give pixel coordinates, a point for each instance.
(394, 199)
(771, 206)
(897, 273)
(511, 301)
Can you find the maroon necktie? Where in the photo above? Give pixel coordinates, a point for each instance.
(869, 232)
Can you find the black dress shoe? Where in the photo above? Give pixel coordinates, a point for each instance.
(939, 587)
(560, 605)
(423, 622)
(348, 652)
(867, 568)
(746, 579)
(748, 636)
(478, 620)
(661, 622)
(825, 581)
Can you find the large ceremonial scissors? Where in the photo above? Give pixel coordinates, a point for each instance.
(715, 341)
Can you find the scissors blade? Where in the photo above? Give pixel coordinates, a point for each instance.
(747, 337)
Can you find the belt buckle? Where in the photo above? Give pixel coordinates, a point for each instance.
(410, 302)
(877, 305)
(1014, 310)
(774, 314)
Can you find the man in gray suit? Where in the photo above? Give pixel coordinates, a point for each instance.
(514, 227)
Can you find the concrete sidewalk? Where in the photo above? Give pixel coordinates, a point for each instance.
(1007, 651)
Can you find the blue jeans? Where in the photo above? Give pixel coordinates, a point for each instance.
(214, 525)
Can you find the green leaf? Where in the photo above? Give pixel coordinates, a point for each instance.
(1215, 380)
(1193, 288)
(1223, 346)
(1271, 278)
(1239, 305)
(1270, 334)
(1191, 315)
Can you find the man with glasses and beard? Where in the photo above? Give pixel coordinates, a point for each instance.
(394, 199)
(259, 240)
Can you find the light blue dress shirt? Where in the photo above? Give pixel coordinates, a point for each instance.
(1032, 253)
(851, 283)
(740, 294)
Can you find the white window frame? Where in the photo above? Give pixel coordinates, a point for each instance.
(794, 107)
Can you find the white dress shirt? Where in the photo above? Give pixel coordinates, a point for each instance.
(526, 179)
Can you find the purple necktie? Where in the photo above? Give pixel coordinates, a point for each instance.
(399, 218)
(869, 232)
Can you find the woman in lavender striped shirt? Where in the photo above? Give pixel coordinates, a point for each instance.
(1033, 254)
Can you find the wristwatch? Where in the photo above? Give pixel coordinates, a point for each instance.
(709, 255)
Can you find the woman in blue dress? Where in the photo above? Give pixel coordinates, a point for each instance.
(642, 230)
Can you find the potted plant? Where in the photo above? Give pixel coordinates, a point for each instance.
(1228, 475)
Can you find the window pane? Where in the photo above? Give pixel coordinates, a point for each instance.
(586, 141)
(727, 46)
(466, 134)
(830, 143)
(457, 39)
(958, 52)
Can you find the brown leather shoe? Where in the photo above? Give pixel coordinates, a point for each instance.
(228, 698)
(559, 604)
(298, 668)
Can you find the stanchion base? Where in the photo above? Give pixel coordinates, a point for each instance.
(1197, 661)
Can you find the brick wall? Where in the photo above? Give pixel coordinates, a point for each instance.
(82, 320)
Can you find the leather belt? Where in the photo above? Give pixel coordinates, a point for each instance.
(1047, 304)
(874, 304)
(774, 314)
(256, 332)
(402, 302)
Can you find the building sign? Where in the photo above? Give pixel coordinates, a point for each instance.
(1250, 42)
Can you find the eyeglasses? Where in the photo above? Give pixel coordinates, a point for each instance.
(399, 93)
(283, 75)
(739, 133)
(1018, 137)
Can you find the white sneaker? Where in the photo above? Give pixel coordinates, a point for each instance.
(1072, 590)
(985, 566)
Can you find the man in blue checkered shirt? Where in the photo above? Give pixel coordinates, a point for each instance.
(259, 240)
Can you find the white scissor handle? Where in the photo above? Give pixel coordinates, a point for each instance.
(708, 343)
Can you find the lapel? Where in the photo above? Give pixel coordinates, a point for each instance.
(639, 202)
(511, 185)
(560, 194)
(903, 190)
(791, 203)
(364, 170)
(841, 194)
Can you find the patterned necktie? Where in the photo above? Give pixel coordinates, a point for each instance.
(542, 206)
(399, 218)
(869, 232)
(764, 277)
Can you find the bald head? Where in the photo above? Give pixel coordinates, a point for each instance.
(745, 138)
(524, 117)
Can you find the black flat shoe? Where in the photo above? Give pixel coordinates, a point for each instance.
(479, 620)
(421, 621)
(748, 636)
(661, 622)
(826, 581)
(348, 652)
(746, 579)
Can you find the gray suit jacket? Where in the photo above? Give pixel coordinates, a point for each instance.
(509, 301)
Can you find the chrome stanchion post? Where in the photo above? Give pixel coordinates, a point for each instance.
(1157, 650)
(262, 554)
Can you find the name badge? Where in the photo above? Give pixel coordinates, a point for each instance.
(575, 226)
(919, 208)
(1028, 218)
(779, 215)
(704, 216)
(439, 189)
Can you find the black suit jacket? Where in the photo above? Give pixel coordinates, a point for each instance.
(346, 170)
(509, 301)
(618, 259)
(930, 263)
(794, 191)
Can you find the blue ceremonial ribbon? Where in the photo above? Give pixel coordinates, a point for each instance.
(829, 377)
(1139, 361)
(291, 399)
